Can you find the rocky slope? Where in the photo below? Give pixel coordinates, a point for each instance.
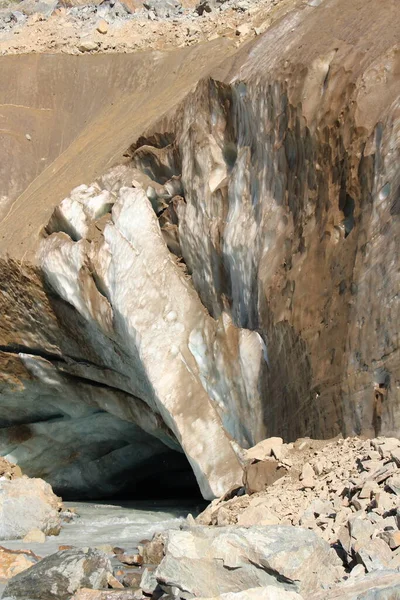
(328, 527)
(77, 27)
(347, 491)
(209, 258)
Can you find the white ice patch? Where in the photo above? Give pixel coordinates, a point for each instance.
(41, 369)
(83, 205)
(75, 216)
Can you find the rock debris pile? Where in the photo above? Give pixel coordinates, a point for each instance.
(314, 520)
(347, 491)
(325, 525)
(112, 26)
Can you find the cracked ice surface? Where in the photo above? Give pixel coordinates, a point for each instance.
(196, 372)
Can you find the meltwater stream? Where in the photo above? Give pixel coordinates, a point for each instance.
(115, 523)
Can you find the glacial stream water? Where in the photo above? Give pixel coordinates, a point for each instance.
(114, 523)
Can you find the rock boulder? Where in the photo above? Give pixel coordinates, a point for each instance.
(60, 575)
(265, 593)
(380, 585)
(212, 561)
(27, 504)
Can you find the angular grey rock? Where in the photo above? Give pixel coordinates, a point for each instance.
(367, 489)
(27, 504)
(395, 454)
(385, 445)
(60, 575)
(148, 583)
(164, 8)
(384, 472)
(375, 555)
(88, 594)
(208, 6)
(19, 17)
(379, 585)
(316, 508)
(361, 532)
(211, 561)
(261, 593)
(357, 571)
(44, 7)
(394, 484)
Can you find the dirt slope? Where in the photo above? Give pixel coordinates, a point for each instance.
(109, 100)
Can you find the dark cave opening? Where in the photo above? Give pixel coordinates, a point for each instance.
(167, 476)
(171, 478)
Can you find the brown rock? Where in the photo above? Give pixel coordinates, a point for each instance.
(383, 502)
(13, 562)
(225, 517)
(278, 452)
(392, 538)
(153, 551)
(307, 476)
(374, 455)
(8, 469)
(259, 475)
(319, 467)
(263, 449)
(359, 503)
(87, 46)
(345, 541)
(102, 26)
(130, 559)
(258, 514)
(114, 583)
(35, 535)
(367, 489)
(243, 29)
(371, 465)
(132, 580)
